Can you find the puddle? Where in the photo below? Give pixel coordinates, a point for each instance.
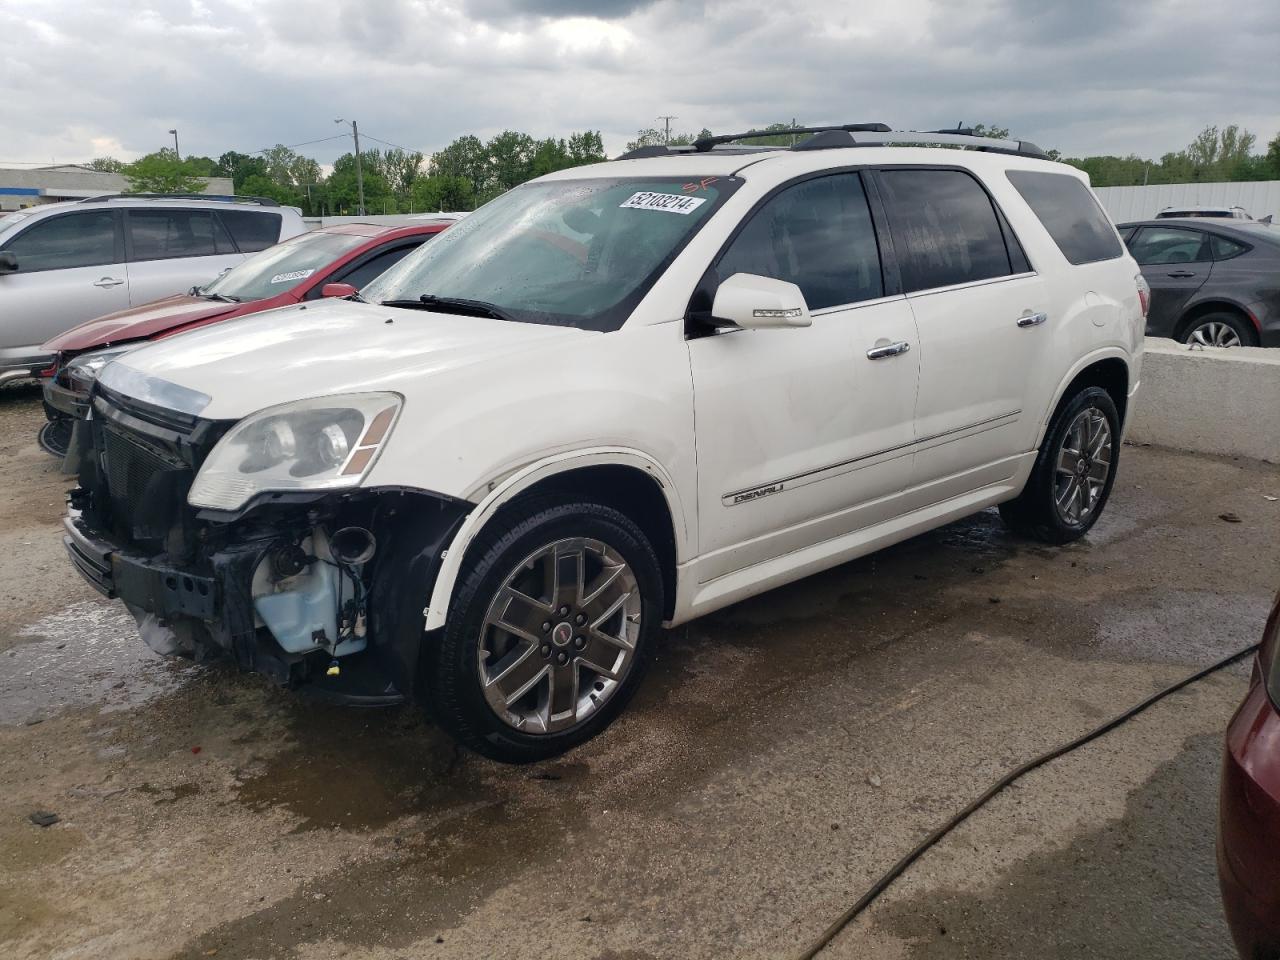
(1141, 886)
(91, 654)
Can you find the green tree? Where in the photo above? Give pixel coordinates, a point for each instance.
(260, 185)
(585, 147)
(239, 167)
(161, 172)
(402, 168)
(466, 157)
(652, 137)
(435, 193)
(994, 132)
(106, 165)
(511, 156)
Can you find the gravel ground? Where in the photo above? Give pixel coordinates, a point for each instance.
(781, 755)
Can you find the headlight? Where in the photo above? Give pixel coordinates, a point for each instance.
(325, 443)
(87, 366)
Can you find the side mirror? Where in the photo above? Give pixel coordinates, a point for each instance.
(338, 290)
(760, 303)
(8, 262)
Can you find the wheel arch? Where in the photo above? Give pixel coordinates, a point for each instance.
(1203, 308)
(628, 480)
(1108, 369)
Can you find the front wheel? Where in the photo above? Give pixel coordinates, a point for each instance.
(548, 633)
(1074, 471)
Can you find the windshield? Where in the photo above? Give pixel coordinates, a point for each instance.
(570, 252)
(281, 267)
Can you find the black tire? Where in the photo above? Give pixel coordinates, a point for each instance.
(453, 684)
(1035, 512)
(1242, 327)
(55, 437)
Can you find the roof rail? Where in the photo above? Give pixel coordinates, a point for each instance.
(218, 197)
(850, 135)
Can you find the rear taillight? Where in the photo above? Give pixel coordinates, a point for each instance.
(1144, 294)
(1269, 654)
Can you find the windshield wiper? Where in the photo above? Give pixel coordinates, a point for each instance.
(460, 305)
(220, 297)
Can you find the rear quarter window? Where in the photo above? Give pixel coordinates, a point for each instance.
(252, 230)
(1070, 213)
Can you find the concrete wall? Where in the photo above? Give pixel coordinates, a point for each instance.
(1221, 401)
(1142, 203)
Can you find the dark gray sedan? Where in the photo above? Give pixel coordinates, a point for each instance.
(1213, 282)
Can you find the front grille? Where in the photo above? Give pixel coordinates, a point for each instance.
(141, 479)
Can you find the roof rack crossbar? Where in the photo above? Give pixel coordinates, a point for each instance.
(706, 143)
(218, 197)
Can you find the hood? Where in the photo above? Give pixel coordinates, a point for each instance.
(138, 323)
(327, 347)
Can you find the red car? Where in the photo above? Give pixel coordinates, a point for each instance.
(290, 272)
(1249, 808)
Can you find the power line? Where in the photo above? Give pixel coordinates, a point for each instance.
(389, 143)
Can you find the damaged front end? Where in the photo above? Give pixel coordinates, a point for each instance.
(323, 588)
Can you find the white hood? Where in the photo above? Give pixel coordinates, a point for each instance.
(331, 346)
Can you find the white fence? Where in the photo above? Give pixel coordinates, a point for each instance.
(1259, 197)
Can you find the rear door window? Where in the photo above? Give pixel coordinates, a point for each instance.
(85, 239)
(945, 229)
(1071, 215)
(168, 234)
(816, 234)
(1162, 245)
(252, 229)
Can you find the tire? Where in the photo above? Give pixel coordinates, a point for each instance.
(505, 580)
(1039, 511)
(55, 437)
(1220, 329)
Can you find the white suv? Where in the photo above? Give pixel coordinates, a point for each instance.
(616, 397)
(64, 263)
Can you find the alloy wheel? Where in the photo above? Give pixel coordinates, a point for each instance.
(1084, 464)
(559, 636)
(1215, 333)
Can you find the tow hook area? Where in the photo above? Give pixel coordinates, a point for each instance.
(312, 596)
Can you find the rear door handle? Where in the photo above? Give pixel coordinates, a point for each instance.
(1032, 319)
(108, 282)
(1182, 275)
(891, 350)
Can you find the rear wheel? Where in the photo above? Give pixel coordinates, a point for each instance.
(1221, 330)
(1074, 472)
(549, 631)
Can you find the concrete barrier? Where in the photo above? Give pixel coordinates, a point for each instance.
(1221, 401)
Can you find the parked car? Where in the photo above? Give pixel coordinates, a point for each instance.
(1194, 211)
(616, 397)
(1212, 283)
(295, 271)
(1249, 808)
(64, 263)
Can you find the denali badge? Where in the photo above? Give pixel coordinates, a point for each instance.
(756, 494)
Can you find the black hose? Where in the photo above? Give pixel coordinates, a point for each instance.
(899, 868)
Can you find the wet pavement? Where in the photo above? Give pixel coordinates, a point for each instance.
(780, 756)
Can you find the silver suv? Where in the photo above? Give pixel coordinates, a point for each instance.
(65, 263)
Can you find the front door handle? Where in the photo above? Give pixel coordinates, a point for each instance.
(1182, 274)
(108, 282)
(1032, 319)
(890, 350)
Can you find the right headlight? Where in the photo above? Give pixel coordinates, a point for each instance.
(325, 443)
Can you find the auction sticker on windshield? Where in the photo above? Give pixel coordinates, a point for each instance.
(666, 202)
(292, 275)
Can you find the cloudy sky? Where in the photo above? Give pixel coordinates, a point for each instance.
(84, 79)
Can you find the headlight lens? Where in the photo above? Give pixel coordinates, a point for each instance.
(87, 366)
(326, 443)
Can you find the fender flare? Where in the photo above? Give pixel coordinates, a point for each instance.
(513, 485)
(1088, 360)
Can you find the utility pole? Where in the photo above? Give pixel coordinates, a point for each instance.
(667, 138)
(355, 134)
(176, 152)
